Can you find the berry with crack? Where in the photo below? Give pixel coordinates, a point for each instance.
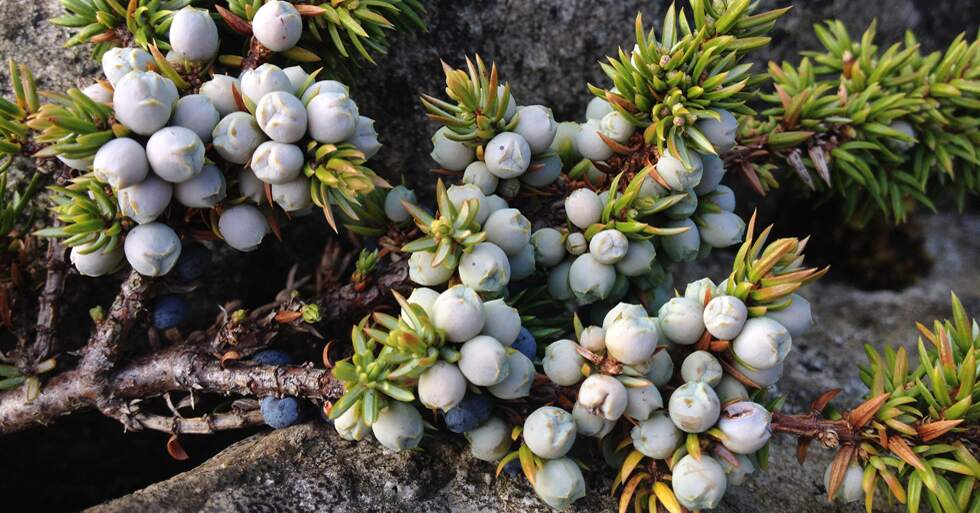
(277, 163)
(491, 441)
(503, 322)
(593, 338)
(725, 316)
(520, 377)
(543, 171)
(441, 386)
(243, 227)
(272, 357)
(762, 344)
(700, 289)
(237, 136)
(796, 318)
(632, 341)
(583, 208)
(559, 483)
(476, 173)
(562, 363)
(399, 427)
(549, 432)
(117, 62)
(176, 154)
(152, 249)
(169, 311)
(280, 413)
(508, 229)
(95, 263)
(483, 360)
(459, 313)
(591, 280)
(549, 250)
(281, 116)
(394, 210)
(694, 407)
(120, 163)
(576, 244)
(643, 401)
(460, 193)
(609, 246)
(350, 425)
(682, 320)
(98, 93)
(526, 344)
(485, 268)
(218, 91)
(701, 366)
(293, 196)
(589, 144)
(297, 77)
(422, 272)
(144, 101)
(277, 25)
(145, 201)
(197, 113)
(679, 178)
(324, 86)
(719, 132)
(265, 79)
(623, 311)
(536, 125)
(657, 436)
(603, 395)
(332, 117)
(684, 246)
(746, 426)
(616, 127)
(698, 483)
(469, 414)
(597, 108)
(193, 35)
(424, 297)
(250, 187)
(202, 191)
(590, 424)
(365, 137)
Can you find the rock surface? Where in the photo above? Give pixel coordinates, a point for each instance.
(547, 49)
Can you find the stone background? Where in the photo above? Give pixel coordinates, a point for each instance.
(547, 49)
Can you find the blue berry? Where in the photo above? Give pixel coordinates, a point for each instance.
(272, 357)
(513, 467)
(469, 414)
(526, 344)
(193, 262)
(280, 413)
(169, 312)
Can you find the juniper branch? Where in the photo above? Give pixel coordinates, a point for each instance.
(203, 425)
(44, 345)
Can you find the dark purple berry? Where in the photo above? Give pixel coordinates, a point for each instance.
(280, 413)
(169, 312)
(193, 262)
(513, 467)
(469, 414)
(272, 357)
(526, 344)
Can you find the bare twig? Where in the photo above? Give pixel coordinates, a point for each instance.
(204, 425)
(47, 311)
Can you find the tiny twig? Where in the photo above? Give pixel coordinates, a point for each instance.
(47, 311)
(204, 425)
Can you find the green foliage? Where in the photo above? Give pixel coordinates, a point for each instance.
(73, 126)
(881, 128)
(481, 104)
(109, 23)
(920, 443)
(450, 234)
(14, 136)
(388, 359)
(668, 84)
(338, 177)
(89, 215)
